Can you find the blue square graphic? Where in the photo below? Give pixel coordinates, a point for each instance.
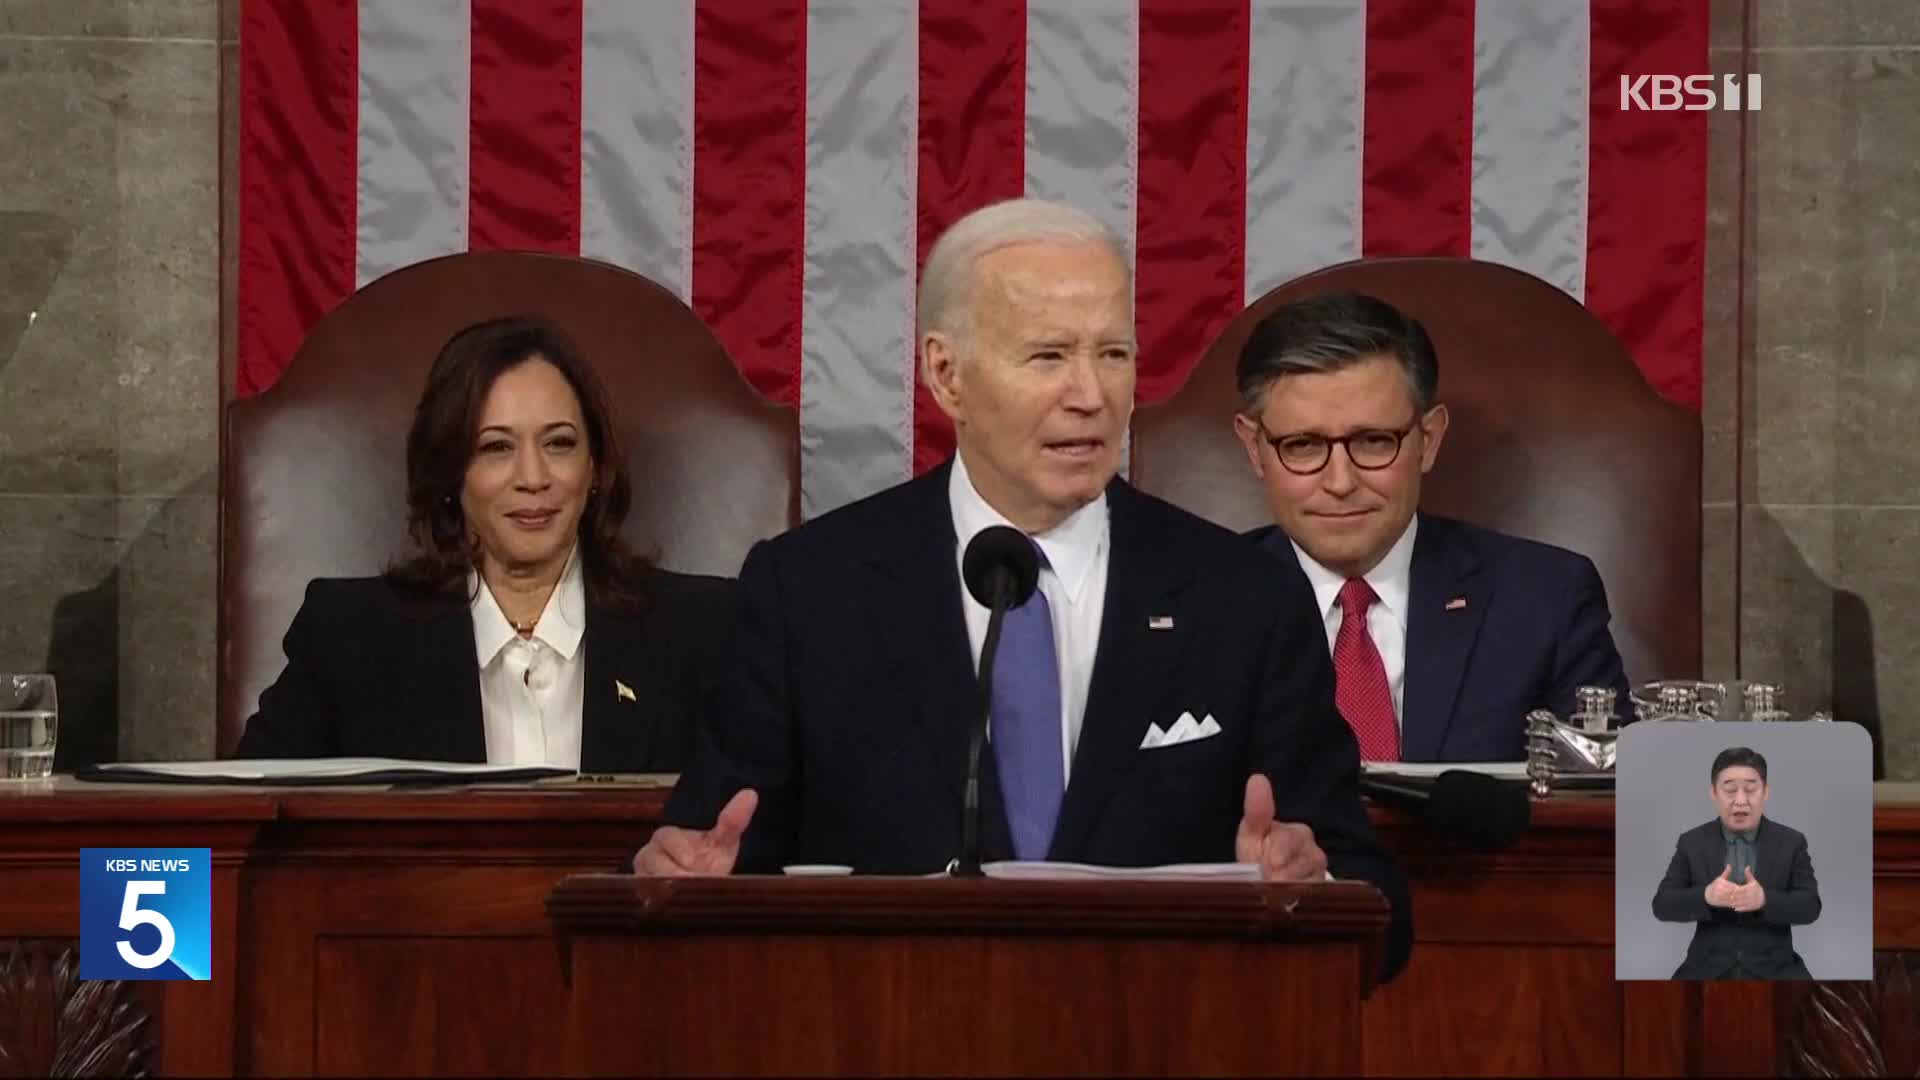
(146, 913)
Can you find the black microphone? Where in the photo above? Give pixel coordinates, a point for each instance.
(1474, 810)
(1001, 570)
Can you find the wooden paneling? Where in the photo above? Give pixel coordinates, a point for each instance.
(397, 915)
(892, 1004)
(890, 976)
(440, 1006)
(1515, 1017)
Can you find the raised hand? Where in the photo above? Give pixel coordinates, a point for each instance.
(1284, 850)
(1721, 891)
(673, 852)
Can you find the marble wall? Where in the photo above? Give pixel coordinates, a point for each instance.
(112, 344)
(1812, 487)
(110, 364)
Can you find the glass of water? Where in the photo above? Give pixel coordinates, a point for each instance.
(29, 723)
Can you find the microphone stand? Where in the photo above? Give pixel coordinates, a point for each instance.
(968, 864)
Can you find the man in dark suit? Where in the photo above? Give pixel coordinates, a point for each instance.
(1443, 635)
(1162, 698)
(1743, 879)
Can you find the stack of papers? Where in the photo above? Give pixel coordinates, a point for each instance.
(1428, 770)
(314, 771)
(1065, 871)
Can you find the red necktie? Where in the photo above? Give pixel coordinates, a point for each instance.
(1360, 687)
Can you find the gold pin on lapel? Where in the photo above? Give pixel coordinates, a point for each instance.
(624, 691)
(1458, 603)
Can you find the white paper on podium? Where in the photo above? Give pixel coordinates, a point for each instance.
(1066, 871)
(341, 770)
(1428, 770)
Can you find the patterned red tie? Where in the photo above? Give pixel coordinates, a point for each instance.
(1360, 687)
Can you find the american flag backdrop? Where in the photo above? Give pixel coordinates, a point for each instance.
(784, 165)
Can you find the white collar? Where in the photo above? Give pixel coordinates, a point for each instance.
(562, 622)
(1391, 579)
(1071, 547)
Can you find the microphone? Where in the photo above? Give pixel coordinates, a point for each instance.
(1474, 810)
(1000, 569)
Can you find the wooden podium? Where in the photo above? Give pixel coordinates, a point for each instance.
(944, 976)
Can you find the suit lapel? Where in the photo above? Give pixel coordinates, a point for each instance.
(913, 597)
(448, 691)
(1131, 663)
(1447, 600)
(614, 735)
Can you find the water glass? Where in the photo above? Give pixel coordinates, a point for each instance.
(29, 724)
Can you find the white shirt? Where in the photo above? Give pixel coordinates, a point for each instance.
(1392, 582)
(1074, 581)
(532, 689)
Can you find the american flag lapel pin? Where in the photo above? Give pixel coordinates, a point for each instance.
(1458, 603)
(623, 691)
(1159, 622)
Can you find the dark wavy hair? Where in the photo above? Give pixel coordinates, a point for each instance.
(1332, 331)
(440, 444)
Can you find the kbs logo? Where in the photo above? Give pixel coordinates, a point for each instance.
(145, 913)
(1695, 93)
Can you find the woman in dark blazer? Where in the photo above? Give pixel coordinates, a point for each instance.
(521, 631)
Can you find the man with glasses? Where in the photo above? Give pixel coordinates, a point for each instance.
(1444, 635)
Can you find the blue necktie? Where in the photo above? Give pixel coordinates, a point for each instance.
(1026, 726)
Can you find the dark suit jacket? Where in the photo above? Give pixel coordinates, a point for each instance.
(371, 675)
(855, 694)
(1760, 942)
(1532, 631)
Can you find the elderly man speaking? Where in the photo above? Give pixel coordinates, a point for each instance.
(842, 735)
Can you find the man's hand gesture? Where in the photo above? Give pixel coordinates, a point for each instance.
(1284, 850)
(1749, 897)
(1721, 892)
(672, 852)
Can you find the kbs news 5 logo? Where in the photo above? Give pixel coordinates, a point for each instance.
(145, 913)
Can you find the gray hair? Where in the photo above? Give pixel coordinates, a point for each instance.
(946, 283)
(1330, 332)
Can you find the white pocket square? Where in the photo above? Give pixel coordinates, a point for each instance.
(1184, 730)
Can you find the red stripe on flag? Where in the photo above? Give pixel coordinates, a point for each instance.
(1416, 156)
(299, 128)
(973, 130)
(1647, 192)
(524, 160)
(749, 184)
(1191, 208)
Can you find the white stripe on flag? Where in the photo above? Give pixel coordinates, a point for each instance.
(636, 138)
(856, 321)
(1530, 105)
(1306, 84)
(412, 182)
(1083, 106)
(1083, 112)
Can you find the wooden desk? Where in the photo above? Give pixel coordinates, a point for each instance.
(369, 931)
(356, 931)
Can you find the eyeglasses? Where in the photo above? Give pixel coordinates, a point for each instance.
(1306, 453)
